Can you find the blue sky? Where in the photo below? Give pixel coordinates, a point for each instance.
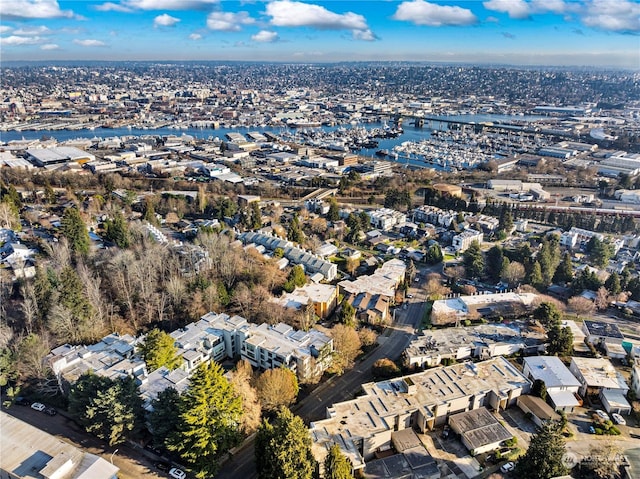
(520, 32)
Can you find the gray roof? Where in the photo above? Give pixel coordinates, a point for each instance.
(551, 370)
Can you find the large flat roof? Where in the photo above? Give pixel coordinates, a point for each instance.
(599, 372)
(599, 328)
(26, 451)
(552, 371)
(383, 401)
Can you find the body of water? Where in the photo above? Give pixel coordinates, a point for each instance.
(410, 132)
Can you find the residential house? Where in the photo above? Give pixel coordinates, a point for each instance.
(598, 377)
(323, 298)
(561, 385)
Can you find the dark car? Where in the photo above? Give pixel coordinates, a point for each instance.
(22, 401)
(50, 411)
(156, 450)
(163, 466)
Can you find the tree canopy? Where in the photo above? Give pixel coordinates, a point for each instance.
(158, 349)
(473, 260)
(283, 448)
(543, 459)
(277, 387)
(109, 408)
(336, 465)
(74, 229)
(210, 414)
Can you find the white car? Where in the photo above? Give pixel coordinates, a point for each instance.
(507, 467)
(177, 473)
(602, 415)
(38, 406)
(618, 419)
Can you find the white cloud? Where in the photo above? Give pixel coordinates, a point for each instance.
(613, 15)
(90, 43)
(433, 15)
(113, 7)
(265, 36)
(41, 30)
(285, 13)
(50, 46)
(5, 29)
(195, 36)
(364, 35)
(23, 9)
(17, 40)
(165, 20)
(514, 8)
(170, 4)
(555, 6)
(228, 21)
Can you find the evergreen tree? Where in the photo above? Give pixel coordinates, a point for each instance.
(110, 409)
(294, 233)
(613, 283)
(543, 459)
(549, 258)
(599, 251)
(117, 231)
(283, 448)
(494, 263)
(158, 349)
(539, 389)
(535, 276)
(74, 229)
(347, 313)
(434, 254)
(150, 212)
(163, 418)
(336, 465)
(560, 340)
(473, 260)
(564, 272)
(548, 314)
(209, 420)
(255, 216)
(334, 210)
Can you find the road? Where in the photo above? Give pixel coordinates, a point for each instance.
(340, 388)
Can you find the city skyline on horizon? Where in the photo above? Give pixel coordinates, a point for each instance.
(572, 33)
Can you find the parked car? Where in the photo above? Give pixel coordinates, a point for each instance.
(508, 467)
(22, 401)
(602, 415)
(163, 466)
(177, 473)
(592, 430)
(50, 411)
(38, 406)
(618, 419)
(409, 296)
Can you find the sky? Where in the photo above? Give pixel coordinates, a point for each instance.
(598, 33)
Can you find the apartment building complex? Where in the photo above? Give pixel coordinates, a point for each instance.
(215, 337)
(365, 424)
